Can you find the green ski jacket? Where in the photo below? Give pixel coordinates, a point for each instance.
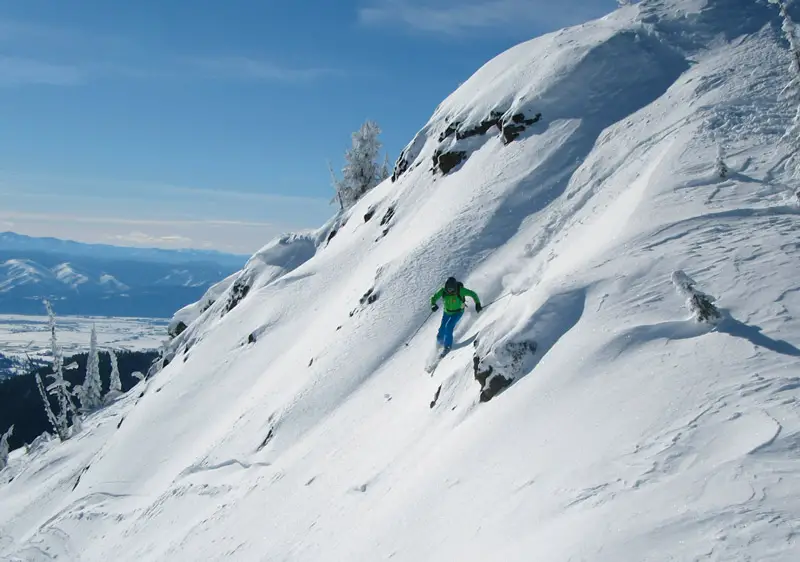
(453, 303)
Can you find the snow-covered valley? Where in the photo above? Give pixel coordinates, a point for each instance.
(565, 183)
(29, 336)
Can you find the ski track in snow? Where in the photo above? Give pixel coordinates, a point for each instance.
(295, 420)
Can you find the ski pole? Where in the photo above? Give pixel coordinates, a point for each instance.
(508, 294)
(420, 327)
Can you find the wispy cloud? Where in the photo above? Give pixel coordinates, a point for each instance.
(141, 239)
(458, 18)
(18, 32)
(15, 71)
(37, 185)
(88, 219)
(45, 54)
(245, 68)
(242, 237)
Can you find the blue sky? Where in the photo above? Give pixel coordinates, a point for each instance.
(208, 124)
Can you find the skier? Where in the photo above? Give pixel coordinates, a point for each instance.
(453, 294)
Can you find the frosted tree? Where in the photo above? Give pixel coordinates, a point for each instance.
(386, 169)
(792, 89)
(115, 384)
(700, 304)
(90, 392)
(59, 388)
(51, 417)
(361, 171)
(720, 167)
(48, 410)
(4, 447)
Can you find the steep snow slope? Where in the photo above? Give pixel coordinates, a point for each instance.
(293, 423)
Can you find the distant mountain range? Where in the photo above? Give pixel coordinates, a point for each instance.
(10, 241)
(93, 279)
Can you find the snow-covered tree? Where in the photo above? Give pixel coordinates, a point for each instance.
(792, 90)
(720, 166)
(90, 392)
(362, 171)
(4, 447)
(700, 304)
(60, 387)
(115, 384)
(790, 32)
(386, 169)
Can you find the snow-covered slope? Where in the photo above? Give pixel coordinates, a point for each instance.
(67, 275)
(19, 272)
(294, 421)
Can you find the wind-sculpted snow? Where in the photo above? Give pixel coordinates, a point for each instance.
(293, 418)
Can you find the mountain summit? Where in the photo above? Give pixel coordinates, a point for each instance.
(617, 194)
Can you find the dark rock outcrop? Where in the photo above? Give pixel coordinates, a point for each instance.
(512, 130)
(333, 233)
(239, 290)
(369, 297)
(495, 380)
(366, 299)
(177, 329)
(388, 216)
(446, 161)
(386, 220)
(400, 167)
(436, 396)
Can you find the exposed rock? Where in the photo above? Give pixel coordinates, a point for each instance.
(509, 127)
(369, 297)
(446, 161)
(409, 155)
(366, 299)
(239, 290)
(495, 385)
(436, 396)
(369, 214)
(251, 338)
(511, 131)
(333, 233)
(481, 375)
(266, 440)
(388, 216)
(495, 120)
(177, 329)
(495, 380)
(400, 167)
(451, 128)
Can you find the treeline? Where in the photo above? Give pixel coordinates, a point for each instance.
(21, 403)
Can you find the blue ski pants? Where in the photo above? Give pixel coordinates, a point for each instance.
(449, 321)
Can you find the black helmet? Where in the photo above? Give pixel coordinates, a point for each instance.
(451, 285)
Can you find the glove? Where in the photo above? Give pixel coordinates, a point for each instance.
(478, 308)
(434, 307)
